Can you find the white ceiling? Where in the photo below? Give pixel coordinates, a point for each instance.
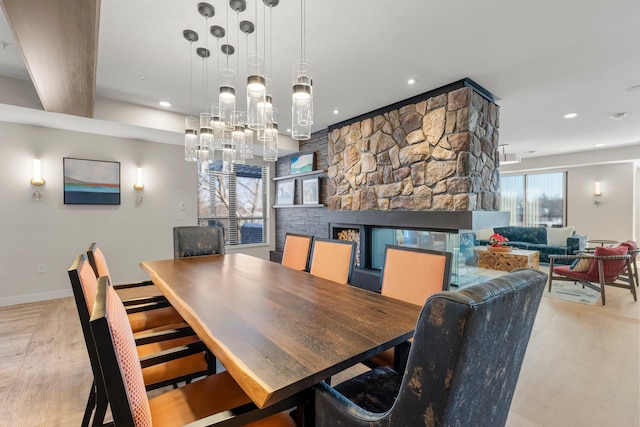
(541, 59)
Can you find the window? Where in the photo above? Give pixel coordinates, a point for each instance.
(534, 200)
(237, 201)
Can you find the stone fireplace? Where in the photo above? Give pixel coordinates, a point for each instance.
(422, 172)
(436, 153)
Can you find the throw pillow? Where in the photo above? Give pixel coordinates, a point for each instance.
(558, 236)
(611, 264)
(484, 233)
(582, 264)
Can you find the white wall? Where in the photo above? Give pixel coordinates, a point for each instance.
(615, 219)
(53, 233)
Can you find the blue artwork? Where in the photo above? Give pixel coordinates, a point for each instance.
(302, 163)
(91, 182)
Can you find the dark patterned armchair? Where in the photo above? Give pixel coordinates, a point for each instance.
(463, 365)
(196, 240)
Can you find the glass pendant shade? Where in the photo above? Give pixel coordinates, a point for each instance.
(302, 106)
(301, 120)
(247, 151)
(256, 91)
(206, 137)
(190, 139)
(228, 156)
(227, 98)
(216, 124)
(270, 141)
(238, 140)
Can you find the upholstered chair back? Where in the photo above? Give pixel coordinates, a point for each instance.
(194, 240)
(463, 364)
(119, 360)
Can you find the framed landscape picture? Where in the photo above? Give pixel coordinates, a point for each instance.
(302, 163)
(285, 192)
(310, 191)
(91, 182)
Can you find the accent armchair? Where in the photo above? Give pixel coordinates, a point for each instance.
(605, 267)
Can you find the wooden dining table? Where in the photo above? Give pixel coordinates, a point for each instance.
(279, 331)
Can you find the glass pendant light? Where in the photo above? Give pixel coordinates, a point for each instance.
(218, 137)
(302, 105)
(190, 122)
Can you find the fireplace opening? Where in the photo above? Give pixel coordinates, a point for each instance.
(350, 234)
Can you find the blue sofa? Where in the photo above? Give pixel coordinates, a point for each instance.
(535, 239)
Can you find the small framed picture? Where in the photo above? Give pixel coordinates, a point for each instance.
(284, 192)
(310, 191)
(302, 163)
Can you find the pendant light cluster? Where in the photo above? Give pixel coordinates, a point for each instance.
(227, 129)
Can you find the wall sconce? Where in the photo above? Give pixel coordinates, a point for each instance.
(138, 185)
(37, 173)
(37, 179)
(597, 191)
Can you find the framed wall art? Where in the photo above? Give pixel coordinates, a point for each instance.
(310, 191)
(91, 182)
(285, 192)
(302, 163)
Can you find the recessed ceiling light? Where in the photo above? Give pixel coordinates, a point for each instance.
(411, 81)
(143, 78)
(599, 145)
(570, 115)
(617, 116)
(633, 89)
(336, 111)
(164, 104)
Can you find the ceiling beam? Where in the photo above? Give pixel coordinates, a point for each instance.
(59, 44)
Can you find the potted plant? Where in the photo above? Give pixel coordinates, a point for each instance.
(498, 243)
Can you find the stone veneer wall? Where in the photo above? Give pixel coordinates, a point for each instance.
(303, 220)
(437, 154)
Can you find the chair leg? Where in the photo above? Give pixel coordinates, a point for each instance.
(91, 404)
(550, 273)
(632, 279)
(601, 278)
(101, 406)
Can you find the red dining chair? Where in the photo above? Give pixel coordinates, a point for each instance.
(217, 394)
(604, 268)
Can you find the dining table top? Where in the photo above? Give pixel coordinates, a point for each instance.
(279, 331)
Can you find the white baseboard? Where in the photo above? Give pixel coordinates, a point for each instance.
(23, 299)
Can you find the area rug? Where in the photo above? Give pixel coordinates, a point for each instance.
(569, 291)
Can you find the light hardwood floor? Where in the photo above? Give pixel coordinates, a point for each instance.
(581, 367)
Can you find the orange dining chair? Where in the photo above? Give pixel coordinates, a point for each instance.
(144, 312)
(604, 267)
(333, 259)
(130, 292)
(217, 394)
(184, 355)
(411, 274)
(297, 249)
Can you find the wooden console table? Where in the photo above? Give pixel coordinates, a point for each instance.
(505, 261)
